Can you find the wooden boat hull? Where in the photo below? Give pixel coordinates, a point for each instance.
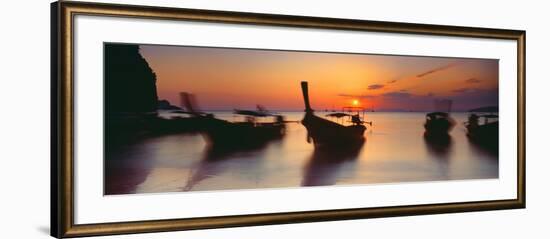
(439, 126)
(221, 133)
(486, 134)
(327, 133)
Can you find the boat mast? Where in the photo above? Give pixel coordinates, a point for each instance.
(187, 101)
(306, 97)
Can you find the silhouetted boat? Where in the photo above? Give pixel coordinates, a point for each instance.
(439, 123)
(485, 133)
(327, 133)
(246, 134)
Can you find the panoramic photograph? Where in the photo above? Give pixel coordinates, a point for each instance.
(191, 118)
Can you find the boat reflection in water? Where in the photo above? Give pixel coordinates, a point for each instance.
(227, 138)
(217, 160)
(334, 144)
(326, 165)
(438, 145)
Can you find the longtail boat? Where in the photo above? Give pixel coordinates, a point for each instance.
(242, 134)
(485, 133)
(439, 123)
(327, 133)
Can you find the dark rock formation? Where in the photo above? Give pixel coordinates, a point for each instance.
(130, 84)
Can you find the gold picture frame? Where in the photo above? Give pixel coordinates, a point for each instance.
(62, 161)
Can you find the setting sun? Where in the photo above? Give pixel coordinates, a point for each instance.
(355, 102)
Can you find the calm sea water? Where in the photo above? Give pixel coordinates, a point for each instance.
(395, 151)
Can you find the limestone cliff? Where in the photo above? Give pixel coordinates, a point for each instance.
(130, 84)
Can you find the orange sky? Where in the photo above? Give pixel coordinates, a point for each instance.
(224, 79)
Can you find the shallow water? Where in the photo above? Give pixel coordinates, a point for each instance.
(394, 151)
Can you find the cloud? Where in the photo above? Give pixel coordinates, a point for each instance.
(397, 95)
(473, 81)
(441, 68)
(375, 87)
(356, 96)
(475, 98)
(392, 81)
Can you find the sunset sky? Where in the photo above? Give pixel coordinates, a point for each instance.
(224, 79)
